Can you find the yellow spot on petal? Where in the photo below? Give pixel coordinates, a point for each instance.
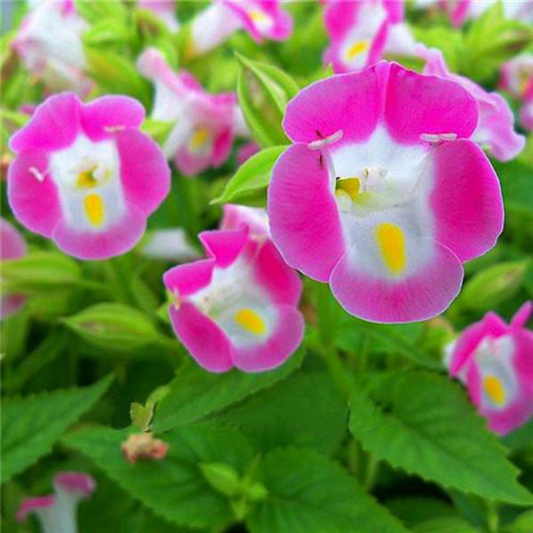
(94, 209)
(495, 390)
(257, 16)
(357, 49)
(86, 179)
(349, 186)
(200, 137)
(391, 241)
(249, 320)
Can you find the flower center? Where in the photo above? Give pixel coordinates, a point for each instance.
(495, 390)
(356, 49)
(251, 321)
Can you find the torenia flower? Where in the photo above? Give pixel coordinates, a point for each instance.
(495, 128)
(360, 32)
(50, 45)
(164, 9)
(526, 113)
(238, 307)
(12, 246)
(204, 124)
(85, 176)
(517, 79)
(460, 11)
(495, 361)
(262, 19)
(381, 195)
(57, 513)
(240, 216)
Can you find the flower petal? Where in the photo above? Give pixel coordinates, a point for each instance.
(190, 278)
(224, 246)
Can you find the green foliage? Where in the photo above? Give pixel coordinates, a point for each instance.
(423, 424)
(31, 425)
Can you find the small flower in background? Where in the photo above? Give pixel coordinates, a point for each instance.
(382, 195)
(204, 123)
(526, 113)
(12, 246)
(85, 176)
(57, 513)
(169, 245)
(246, 151)
(164, 9)
(517, 79)
(495, 128)
(238, 307)
(240, 216)
(262, 19)
(460, 11)
(143, 446)
(50, 45)
(361, 32)
(495, 362)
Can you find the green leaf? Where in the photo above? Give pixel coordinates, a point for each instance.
(308, 493)
(99, 11)
(305, 410)
(175, 487)
(415, 509)
(264, 91)
(515, 178)
(157, 129)
(423, 424)
(445, 525)
(522, 524)
(251, 178)
(31, 425)
(195, 393)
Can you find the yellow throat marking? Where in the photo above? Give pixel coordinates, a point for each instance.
(94, 209)
(250, 321)
(198, 138)
(356, 49)
(391, 241)
(348, 186)
(495, 390)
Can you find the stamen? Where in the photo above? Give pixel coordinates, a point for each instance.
(436, 138)
(199, 138)
(38, 175)
(391, 241)
(114, 129)
(250, 321)
(319, 144)
(495, 390)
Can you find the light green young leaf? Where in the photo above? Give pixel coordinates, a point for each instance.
(264, 91)
(195, 393)
(308, 493)
(175, 487)
(99, 11)
(31, 425)
(251, 178)
(423, 424)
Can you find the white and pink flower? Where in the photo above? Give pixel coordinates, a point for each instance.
(204, 124)
(50, 45)
(361, 32)
(238, 307)
(12, 246)
(495, 362)
(85, 176)
(517, 79)
(57, 512)
(460, 11)
(164, 10)
(382, 195)
(262, 19)
(495, 129)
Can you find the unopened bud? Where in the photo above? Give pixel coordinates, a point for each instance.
(145, 447)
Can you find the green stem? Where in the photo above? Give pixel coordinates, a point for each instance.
(372, 467)
(493, 518)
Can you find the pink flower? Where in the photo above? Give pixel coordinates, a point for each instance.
(50, 45)
(12, 246)
(164, 9)
(495, 361)
(57, 513)
(526, 113)
(517, 79)
(85, 176)
(239, 217)
(360, 32)
(246, 151)
(238, 307)
(204, 123)
(262, 19)
(461, 11)
(381, 195)
(495, 128)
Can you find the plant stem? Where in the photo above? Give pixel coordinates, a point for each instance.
(372, 467)
(493, 519)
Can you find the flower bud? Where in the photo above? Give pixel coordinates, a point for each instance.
(222, 477)
(144, 446)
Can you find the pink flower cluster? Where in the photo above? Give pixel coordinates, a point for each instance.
(495, 362)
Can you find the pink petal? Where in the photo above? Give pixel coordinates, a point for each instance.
(278, 347)
(108, 114)
(12, 244)
(35, 203)
(304, 219)
(417, 104)
(206, 342)
(75, 482)
(191, 164)
(31, 505)
(522, 316)
(466, 200)
(11, 304)
(418, 297)
(53, 126)
(145, 173)
(190, 278)
(224, 246)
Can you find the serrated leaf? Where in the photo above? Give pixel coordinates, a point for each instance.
(174, 487)
(252, 177)
(305, 410)
(423, 424)
(308, 493)
(195, 393)
(31, 425)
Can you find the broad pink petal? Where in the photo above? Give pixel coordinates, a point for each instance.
(53, 126)
(206, 342)
(75, 482)
(190, 278)
(418, 297)
(416, 105)
(12, 244)
(304, 218)
(31, 505)
(522, 316)
(191, 164)
(466, 200)
(224, 246)
(279, 346)
(35, 203)
(145, 173)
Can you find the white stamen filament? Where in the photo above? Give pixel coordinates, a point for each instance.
(320, 144)
(38, 175)
(436, 138)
